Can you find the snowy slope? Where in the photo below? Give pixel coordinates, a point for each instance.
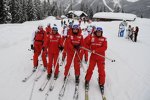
(126, 79)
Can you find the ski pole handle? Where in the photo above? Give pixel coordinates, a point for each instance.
(112, 60)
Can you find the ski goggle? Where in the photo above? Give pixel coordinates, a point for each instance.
(99, 29)
(75, 27)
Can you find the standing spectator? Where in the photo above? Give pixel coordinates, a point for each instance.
(136, 34)
(128, 31)
(61, 22)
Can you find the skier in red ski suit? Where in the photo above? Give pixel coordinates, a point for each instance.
(87, 32)
(74, 42)
(48, 29)
(54, 45)
(38, 40)
(98, 44)
(69, 32)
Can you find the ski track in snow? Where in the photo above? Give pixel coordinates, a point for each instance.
(126, 79)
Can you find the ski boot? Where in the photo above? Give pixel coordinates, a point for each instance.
(87, 85)
(77, 79)
(44, 69)
(34, 69)
(65, 78)
(55, 76)
(101, 89)
(48, 76)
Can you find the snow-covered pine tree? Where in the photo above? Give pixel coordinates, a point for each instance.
(31, 11)
(54, 9)
(5, 15)
(24, 10)
(82, 7)
(45, 8)
(16, 11)
(90, 13)
(38, 7)
(49, 8)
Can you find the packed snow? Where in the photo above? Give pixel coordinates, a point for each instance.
(126, 79)
(118, 16)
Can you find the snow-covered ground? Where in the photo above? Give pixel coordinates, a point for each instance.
(126, 79)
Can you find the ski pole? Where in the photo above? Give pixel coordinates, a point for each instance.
(72, 62)
(33, 86)
(81, 62)
(61, 93)
(58, 57)
(112, 60)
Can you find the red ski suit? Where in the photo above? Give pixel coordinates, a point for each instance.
(85, 52)
(98, 45)
(39, 39)
(69, 33)
(65, 43)
(48, 29)
(53, 42)
(71, 41)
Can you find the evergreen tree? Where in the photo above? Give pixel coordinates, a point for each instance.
(31, 11)
(82, 7)
(24, 10)
(54, 9)
(48, 8)
(97, 9)
(16, 11)
(90, 13)
(45, 12)
(5, 15)
(38, 7)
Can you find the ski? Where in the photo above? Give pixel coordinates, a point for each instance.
(62, 91)
(43, 86)
(103, 97)
(51, 87)
(28, 77)
(86, 94)
(52, 84)
(40, 75)
(102, 93)
(76, 92)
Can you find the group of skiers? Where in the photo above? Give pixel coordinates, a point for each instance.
(130, 32)
(74, 43)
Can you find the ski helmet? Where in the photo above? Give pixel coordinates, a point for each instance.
(97, 32)
(55, 28)
(75, 29)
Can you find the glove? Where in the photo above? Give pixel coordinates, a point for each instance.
(77, 47)
(32, 47)
(93, 51)
(61, 48)
(43, 48)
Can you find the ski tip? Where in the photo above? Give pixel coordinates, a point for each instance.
(104, 98)
(40, 89)
(113, 61)
(46, 94)
(23, 81)
(50, 89)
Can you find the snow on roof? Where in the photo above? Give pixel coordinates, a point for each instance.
(111, 15)
(78, 13)
(63, 16)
